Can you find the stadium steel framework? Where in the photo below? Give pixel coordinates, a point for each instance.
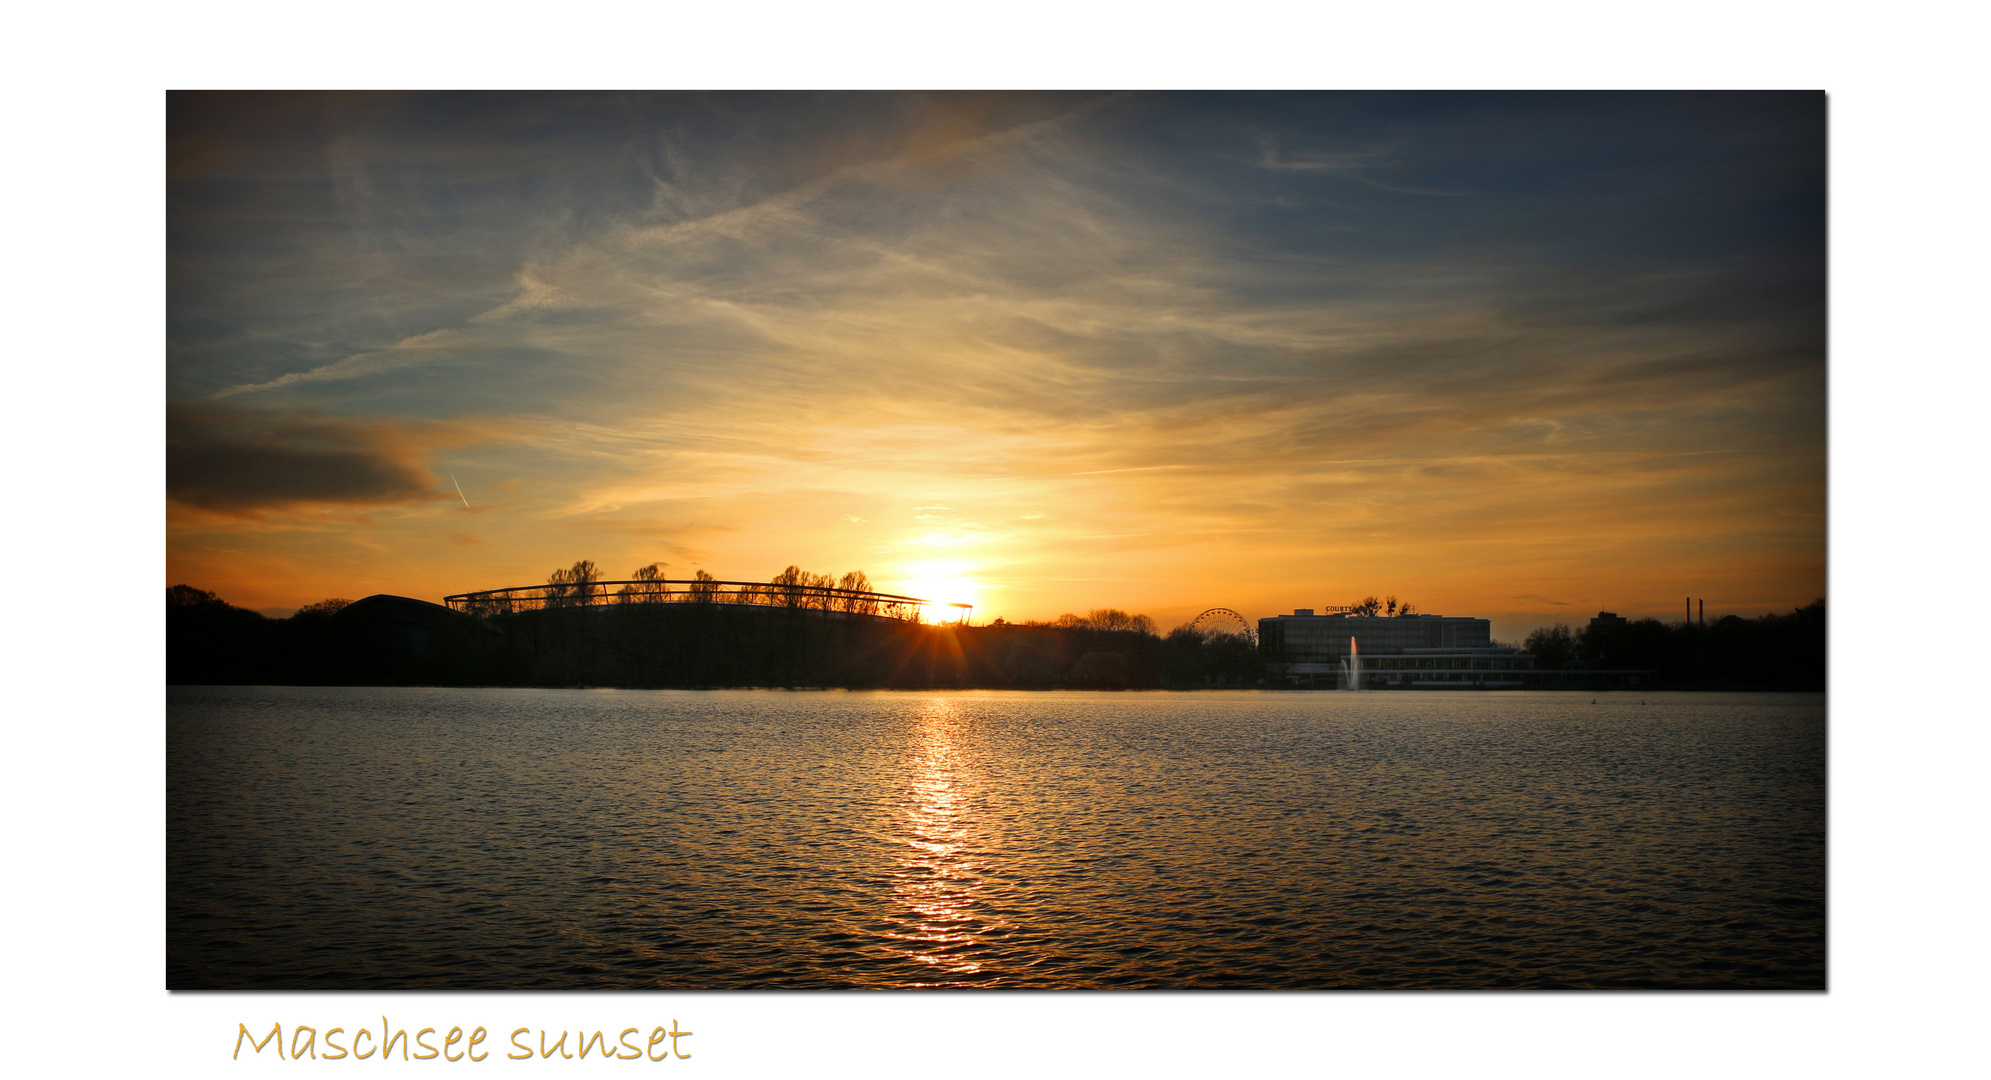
(828, 599)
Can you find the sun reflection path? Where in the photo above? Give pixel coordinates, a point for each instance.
(938, 889)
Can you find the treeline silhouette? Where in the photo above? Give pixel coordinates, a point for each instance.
(209, 640)
(1780, 651)
(395, 641)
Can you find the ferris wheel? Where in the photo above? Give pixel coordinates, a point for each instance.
(1223, 620)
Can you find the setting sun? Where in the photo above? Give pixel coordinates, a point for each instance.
(946, 585)
(1058, 381)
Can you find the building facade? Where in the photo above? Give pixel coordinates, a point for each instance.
(1607, 621)
(1395, 651)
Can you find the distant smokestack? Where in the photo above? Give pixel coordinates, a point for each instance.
(1704, 613)
(1690, 611)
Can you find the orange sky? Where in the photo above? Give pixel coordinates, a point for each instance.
(1516, 356)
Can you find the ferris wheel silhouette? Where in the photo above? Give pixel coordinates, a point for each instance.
(1223, 620)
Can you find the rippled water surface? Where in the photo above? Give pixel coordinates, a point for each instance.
(395, 837)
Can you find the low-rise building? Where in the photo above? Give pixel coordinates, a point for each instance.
(1608, 620)
(1395, 651)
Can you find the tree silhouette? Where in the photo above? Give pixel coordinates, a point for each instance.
(703, 588)
(584, 574)
(186, 596)
(573, 586)
(818, 598)
(1108, 619)
(855, 581)
(1553, 646)
(788, 586)
(650, 587)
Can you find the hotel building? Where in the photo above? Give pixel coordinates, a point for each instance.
(1397, 651)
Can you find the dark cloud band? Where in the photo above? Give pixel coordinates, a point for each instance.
(235, 458)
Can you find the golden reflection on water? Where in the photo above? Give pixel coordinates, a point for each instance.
(938, 886)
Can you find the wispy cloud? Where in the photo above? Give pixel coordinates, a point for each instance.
(1175, 334)
(404, 353)
(1319, 161)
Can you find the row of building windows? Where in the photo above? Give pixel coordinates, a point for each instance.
(1518, 662)
(1383, 642)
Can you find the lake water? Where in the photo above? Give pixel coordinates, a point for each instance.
(441, 838)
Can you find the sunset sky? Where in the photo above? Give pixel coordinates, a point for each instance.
(1522, 356)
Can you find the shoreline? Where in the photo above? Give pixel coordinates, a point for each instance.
(1616, 691)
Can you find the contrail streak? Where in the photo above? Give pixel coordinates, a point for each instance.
(459, 491)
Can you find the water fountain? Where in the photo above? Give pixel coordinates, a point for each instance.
(1354, 667)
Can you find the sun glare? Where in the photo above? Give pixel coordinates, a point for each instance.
(945, 585)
